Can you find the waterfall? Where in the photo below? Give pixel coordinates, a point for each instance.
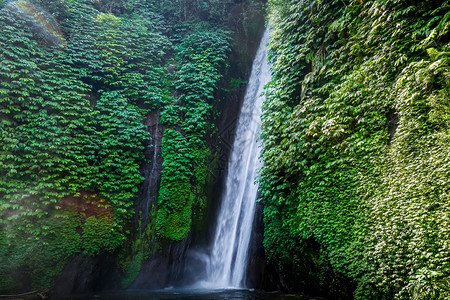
(228, 260)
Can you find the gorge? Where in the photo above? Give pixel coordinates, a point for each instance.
(122, 149)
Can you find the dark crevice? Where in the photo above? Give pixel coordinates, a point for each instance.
(393, 119)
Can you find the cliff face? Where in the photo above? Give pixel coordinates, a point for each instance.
(110, 124)
(246, 23)
(355, 128)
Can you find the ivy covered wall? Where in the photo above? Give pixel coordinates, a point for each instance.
(356, 148)
(77, 80)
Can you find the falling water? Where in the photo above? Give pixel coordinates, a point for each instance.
(229, 254)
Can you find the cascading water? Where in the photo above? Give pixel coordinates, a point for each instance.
(228, 260)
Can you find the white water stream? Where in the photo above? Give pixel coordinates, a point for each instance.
(228, 260)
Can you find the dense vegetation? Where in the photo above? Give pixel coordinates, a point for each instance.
(201, 57)
(77, 80)
(356, 131)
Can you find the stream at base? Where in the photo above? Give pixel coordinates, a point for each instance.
(194, 294)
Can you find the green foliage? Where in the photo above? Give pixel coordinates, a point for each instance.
(111, 6)
(72, 102)
(189, 12)
(201, 55)
(355, 131)
(96, 234)
(77, 80)
(121, 136)
(175, 196)
(411, 203)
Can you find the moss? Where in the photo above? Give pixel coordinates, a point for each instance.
(140, 248)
